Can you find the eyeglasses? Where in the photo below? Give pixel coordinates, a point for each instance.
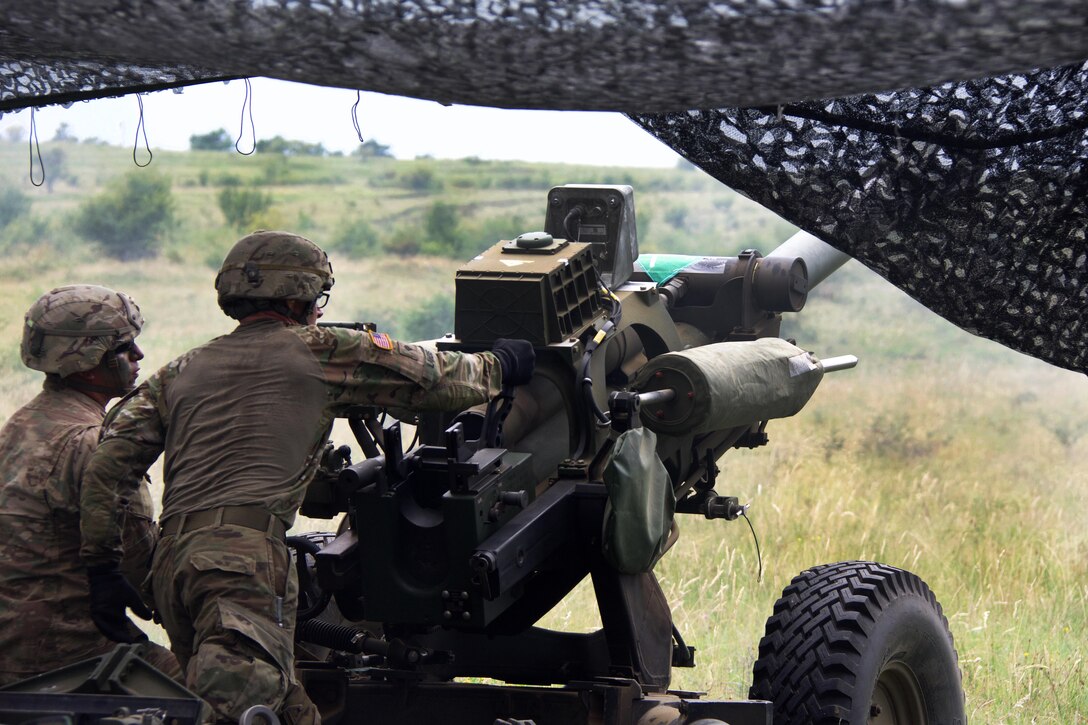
(322, 300)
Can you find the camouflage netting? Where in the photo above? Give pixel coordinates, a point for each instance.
(967, 195)
(621, 55)
(971, 197)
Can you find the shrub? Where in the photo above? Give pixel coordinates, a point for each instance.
(55, 166)
(432, 319)
(677, 217)
(276, 170)
(13, 204)
(240, 206)
(130, 219)
(355, 238)
(30, 232)
(218, 140)
(404, 241)
(895, 436)
(419, 179)
(289, 147)
(483, 233)
(371, 149)
(442, 230)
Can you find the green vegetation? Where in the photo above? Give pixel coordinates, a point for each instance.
(287, 147)
(396, 200)
(217, 140)
(941, 453)
(13, 204)
(129, 219)
(242, 206)
(430, 320)
(355, 238)
(371, 149)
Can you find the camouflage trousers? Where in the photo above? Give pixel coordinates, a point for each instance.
(227, 597)
(45, 605)
(41, 661)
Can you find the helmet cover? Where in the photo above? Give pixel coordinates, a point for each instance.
(70, 329)
(270, 265)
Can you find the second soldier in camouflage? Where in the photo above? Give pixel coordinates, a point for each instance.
(83, 337)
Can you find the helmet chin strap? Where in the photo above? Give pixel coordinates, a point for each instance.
(301, 316)
(83, 386)
(113, 373)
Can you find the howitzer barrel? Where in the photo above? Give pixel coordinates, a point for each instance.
(821, 259)
(839, 362)
(657, 396)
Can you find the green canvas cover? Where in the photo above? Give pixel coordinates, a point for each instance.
(730, 384)
(638, 514)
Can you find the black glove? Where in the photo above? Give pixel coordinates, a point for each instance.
(516, 358)
(110, 595)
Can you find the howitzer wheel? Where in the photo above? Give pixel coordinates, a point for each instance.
(859, 643)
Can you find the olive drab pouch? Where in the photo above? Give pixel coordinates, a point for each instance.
(639, 511)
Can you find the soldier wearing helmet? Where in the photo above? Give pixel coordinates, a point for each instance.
(83, 337)
(242, 422)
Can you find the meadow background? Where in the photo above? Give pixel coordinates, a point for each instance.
(941, 452)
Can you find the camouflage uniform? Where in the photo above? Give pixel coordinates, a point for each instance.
(44, 601)
(243, 421)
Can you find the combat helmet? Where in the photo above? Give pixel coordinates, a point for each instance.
(268, 265)
(70, 329)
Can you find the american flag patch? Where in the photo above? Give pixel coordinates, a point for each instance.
(381, 339)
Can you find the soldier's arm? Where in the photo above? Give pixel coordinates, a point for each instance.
(72, 455)
(131, 440)
(372, 370)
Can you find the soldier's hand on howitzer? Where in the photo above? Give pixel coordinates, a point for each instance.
(111, 594)
(517, 360)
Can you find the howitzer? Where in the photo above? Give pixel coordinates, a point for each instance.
(648, 370)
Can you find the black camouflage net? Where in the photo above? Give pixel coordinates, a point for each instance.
(971, 197)
(66, 81)
(620, 55)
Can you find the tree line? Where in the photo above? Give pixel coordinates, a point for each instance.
(220, 140)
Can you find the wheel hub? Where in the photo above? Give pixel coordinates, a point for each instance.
(897, 698)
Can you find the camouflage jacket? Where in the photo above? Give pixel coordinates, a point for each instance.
(243, 419)
(44, 600)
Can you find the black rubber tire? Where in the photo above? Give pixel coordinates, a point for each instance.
(859, 643)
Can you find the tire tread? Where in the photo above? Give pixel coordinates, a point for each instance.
(817, 633)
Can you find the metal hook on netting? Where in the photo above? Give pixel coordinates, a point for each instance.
(141, 128)
(35, 149)
(247, 102)
(355, 115)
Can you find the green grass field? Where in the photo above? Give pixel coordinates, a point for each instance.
(941, 452)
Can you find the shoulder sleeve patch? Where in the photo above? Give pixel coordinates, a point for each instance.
(381, 340)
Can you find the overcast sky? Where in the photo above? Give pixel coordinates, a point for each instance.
(314, 114)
